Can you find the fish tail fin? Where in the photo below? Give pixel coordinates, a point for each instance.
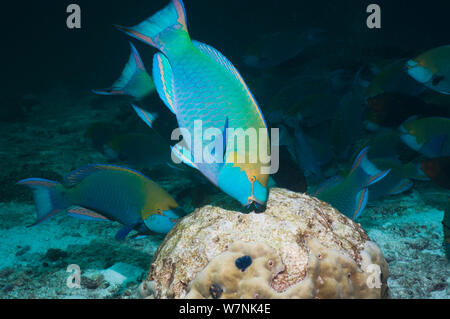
(47, 197)
(365, 171)
(162, 27)
(134, 80)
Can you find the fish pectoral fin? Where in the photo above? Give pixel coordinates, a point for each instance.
(139, 236)
(148, 117)
(84, 213)
(124, 231)
(184, 155)
(162, 77)
(223, 137)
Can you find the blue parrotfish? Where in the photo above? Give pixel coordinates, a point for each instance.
(349, 195)
(134, 80)
(196, 82)
(429, 136)
(106, 192)
(432, 68)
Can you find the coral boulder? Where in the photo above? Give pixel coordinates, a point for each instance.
(299, 247)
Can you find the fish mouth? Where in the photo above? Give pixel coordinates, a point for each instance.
(255, 205)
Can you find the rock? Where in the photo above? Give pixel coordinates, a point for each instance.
(121, 274)
(299, 247)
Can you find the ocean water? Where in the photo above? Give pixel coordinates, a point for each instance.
(313, 66)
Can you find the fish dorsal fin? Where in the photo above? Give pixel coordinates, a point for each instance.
(162, 76)
(221, 59)
(80, 174)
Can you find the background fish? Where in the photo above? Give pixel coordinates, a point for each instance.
(391, 109)
(134, 80)
(428, 136)
(138, 149)
(349, 195)
(392, 78)
(397, 181)
(197, 82)
(438, 170)
(106, 192)
(432, 69)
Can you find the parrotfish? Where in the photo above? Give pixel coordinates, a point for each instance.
(392, 78)
(432, 69)
(398, 180)
(428, 136)
(106, 192)
(349, 195)
(438, 170)
(134, 80)
(393, 108)
(196, 82)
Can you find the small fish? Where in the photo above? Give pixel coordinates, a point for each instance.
(276, 48)
(428, 136)
(134, 80)
(392, 108)
(438, 170)
(106, 192)
(137, 149)
(398, 180)
(392, 78)
(349, 195)
(196, 82)
(383, 144)
(432, 69)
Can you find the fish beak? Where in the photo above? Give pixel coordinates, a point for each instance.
(255, 206)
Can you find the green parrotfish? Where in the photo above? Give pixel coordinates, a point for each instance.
(349, 195)
(106, 192)
(198, 83)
